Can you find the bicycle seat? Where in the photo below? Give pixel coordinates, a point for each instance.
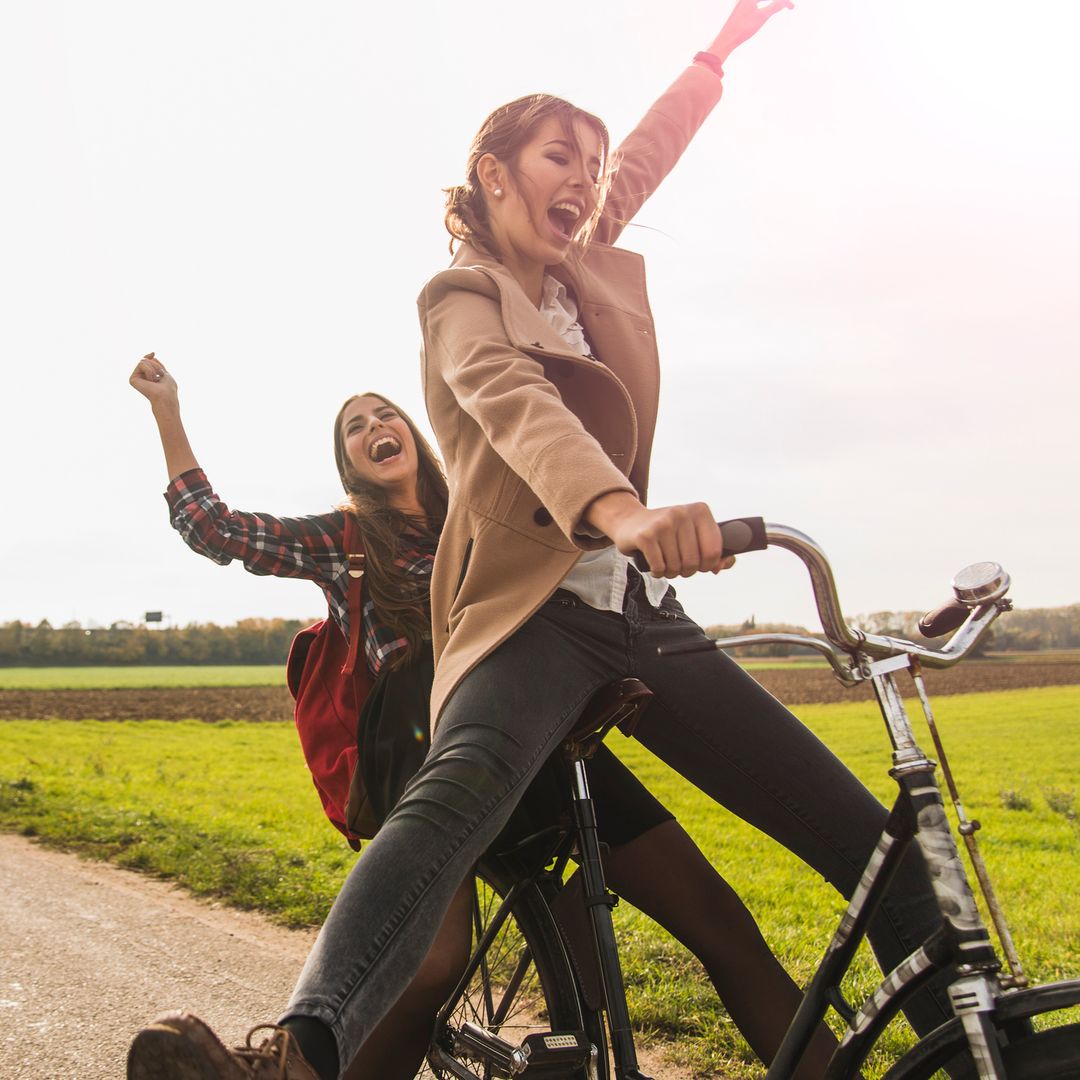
(617, 704)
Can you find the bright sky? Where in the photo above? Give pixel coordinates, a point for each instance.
(864, 275)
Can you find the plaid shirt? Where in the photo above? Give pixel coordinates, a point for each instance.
(301, 547)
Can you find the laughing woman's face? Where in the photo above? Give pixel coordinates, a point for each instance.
(549, 197)
(379, 445)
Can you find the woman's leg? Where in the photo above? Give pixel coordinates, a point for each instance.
(657, 867)
(719, 728)
(664, 874)
(395, 1049)
(498, 729)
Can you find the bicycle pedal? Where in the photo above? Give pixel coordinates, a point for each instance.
(556, 1053)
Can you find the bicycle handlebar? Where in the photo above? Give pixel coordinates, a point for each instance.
(980, 601)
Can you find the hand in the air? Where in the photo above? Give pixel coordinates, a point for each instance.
(152, 380)
(745, 20)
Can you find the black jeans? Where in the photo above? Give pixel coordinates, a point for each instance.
(708, 719)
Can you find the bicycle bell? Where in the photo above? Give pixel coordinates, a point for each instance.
(980, 583)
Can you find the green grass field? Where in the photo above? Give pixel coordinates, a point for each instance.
(149, 795)
(141, 678)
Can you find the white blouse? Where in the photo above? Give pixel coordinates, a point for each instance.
(598, 577)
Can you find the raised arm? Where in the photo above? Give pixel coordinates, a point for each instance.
(652, 149)
(746, 19)
(676, 540)
(300, 547)
(155, 384)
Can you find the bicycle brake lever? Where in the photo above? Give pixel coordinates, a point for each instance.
(740, 535)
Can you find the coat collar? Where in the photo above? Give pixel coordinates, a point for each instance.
(526, 327)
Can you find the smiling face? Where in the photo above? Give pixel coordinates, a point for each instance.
(379, 448)
(548, 194)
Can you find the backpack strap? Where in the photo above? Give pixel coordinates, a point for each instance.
(354, 554)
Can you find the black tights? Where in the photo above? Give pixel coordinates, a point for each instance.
(665, 875)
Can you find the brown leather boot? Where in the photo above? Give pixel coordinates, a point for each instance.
(179, 1046)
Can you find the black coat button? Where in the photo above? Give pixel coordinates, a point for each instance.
(543, 516)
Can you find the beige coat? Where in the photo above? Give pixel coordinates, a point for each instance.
(531, 432)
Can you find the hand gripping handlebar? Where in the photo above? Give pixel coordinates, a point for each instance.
(740, 535)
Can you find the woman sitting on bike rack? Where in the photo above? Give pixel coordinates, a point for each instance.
(397, 495)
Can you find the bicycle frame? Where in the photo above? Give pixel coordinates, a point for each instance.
(918, 813)
(963, 939)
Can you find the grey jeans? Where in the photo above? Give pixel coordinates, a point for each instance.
(708, 720)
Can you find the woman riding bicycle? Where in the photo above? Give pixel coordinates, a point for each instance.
(397, 496)
(541, 376)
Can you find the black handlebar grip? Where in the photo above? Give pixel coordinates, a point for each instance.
(943, 620)
(740, 535)
(743, 534)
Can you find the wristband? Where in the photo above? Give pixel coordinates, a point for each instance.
(710, 61)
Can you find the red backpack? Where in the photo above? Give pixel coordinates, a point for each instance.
(329, 682)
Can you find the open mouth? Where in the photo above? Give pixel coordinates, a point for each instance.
(564, 217)
(384, 448)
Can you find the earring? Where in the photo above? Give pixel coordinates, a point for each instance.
(498, 193)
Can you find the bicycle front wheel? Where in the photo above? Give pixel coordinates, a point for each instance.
(1053, 1054)
(523, 984)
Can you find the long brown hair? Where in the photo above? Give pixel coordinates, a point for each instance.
(503, 134)
(400, 598)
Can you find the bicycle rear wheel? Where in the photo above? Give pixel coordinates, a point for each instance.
(523, 985)
(1052, 1054)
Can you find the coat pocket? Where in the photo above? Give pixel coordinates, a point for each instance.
(464, 567)
(453, 616)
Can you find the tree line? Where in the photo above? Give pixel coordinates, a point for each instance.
(266, 641)
(249, 641)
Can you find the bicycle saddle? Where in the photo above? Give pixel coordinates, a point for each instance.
(617, 704)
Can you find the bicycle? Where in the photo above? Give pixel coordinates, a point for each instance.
(533, 974)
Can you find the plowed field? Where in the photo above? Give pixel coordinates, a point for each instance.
(793, 686)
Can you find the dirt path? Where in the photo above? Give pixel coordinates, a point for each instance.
(90, 952)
